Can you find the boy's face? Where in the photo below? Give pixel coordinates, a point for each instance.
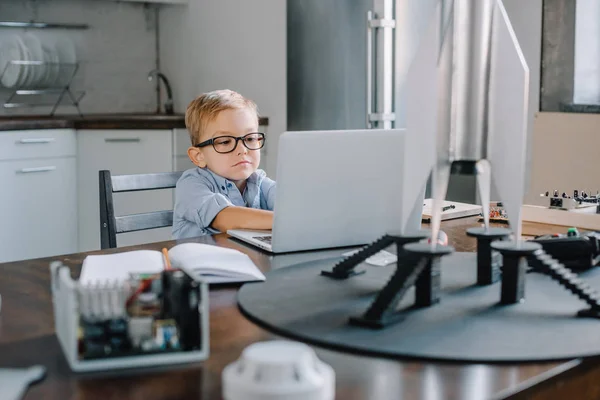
(239, 164)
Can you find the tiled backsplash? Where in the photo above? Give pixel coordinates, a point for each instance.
(116, 52)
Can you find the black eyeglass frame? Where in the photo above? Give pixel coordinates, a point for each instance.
(236, 138)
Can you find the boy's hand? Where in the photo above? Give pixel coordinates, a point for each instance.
(234, 217)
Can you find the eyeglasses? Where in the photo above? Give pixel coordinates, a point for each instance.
(227, 144)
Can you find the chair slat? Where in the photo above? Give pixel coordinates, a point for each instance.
(143, 221)
(130, 183)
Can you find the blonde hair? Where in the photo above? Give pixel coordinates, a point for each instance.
(207, 106)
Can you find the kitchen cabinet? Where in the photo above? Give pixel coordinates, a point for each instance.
(38, 202)
(173, 2)
(49, 204)
(121, 152)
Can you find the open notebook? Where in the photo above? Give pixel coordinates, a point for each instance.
(450, 210)
(213, 264)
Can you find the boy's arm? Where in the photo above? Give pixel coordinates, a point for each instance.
(234, 217)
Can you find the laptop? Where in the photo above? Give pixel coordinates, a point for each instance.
(336, 189)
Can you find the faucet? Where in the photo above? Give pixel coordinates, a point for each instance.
(169, 102)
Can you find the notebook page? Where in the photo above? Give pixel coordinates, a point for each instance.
(214, 261)
(111, 267)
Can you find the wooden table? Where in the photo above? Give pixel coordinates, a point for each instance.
(27, 338)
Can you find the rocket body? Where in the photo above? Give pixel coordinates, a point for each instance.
(468, 104)
(469, 65)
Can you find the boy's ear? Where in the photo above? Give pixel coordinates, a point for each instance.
(196, 156)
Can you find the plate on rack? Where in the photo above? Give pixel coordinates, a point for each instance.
(11, 50)
(68, 58)
(37, 71)
(52, 62)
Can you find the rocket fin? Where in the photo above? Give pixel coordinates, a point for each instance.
(508, 113)
(423, 100)
(439, 183)
(484, 188)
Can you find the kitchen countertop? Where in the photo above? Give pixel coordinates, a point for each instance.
(98, 121)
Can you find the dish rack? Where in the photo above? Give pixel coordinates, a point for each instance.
(59, 92)
(40, 76)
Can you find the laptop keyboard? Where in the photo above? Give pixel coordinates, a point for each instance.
(264, 239)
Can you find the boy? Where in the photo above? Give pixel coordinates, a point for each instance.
(225, 190)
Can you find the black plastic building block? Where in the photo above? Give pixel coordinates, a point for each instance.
(514, 268)
(428, 288)
(545, 263)
(416, 260)
(578, 252)
(488, 260)
(347, 267)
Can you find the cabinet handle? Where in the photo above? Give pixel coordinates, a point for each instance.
(36, 140)
(36, 169)
(122, 140)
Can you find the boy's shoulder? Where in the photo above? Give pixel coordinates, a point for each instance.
(195, 176)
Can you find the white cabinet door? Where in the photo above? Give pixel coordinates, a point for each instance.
(38, 208)
(121, 152)
(34, 144)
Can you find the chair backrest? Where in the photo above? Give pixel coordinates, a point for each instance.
(111, 225)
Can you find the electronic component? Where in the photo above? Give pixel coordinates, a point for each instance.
(497, 213)
(576, 251)
(147, 314)
(578, 200)
(181, 302)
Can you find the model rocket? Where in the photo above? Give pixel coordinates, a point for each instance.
(467, 108)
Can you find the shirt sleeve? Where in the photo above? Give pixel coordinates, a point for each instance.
(268, 189)
(197, 201)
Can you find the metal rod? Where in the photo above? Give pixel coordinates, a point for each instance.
(369, 68)
(58, 100)
(23, 105)
(37, 169)
(31, 62)
(157, 60)
(36, 140)
(32, 24)
(76, 101)
(24, 92)
(123, 140)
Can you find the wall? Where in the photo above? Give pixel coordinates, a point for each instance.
(116, 52)
(587, 52)
(565, 154)
(234, 44)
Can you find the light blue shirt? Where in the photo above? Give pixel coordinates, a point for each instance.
(200, 195)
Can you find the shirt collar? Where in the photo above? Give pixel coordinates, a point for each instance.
(226, 184)
(221, 182)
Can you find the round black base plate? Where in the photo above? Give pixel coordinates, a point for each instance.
(490, 233)
(467, 325)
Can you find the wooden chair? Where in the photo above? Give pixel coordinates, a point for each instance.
(111, 225)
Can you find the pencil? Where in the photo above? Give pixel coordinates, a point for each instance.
(166, 254)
